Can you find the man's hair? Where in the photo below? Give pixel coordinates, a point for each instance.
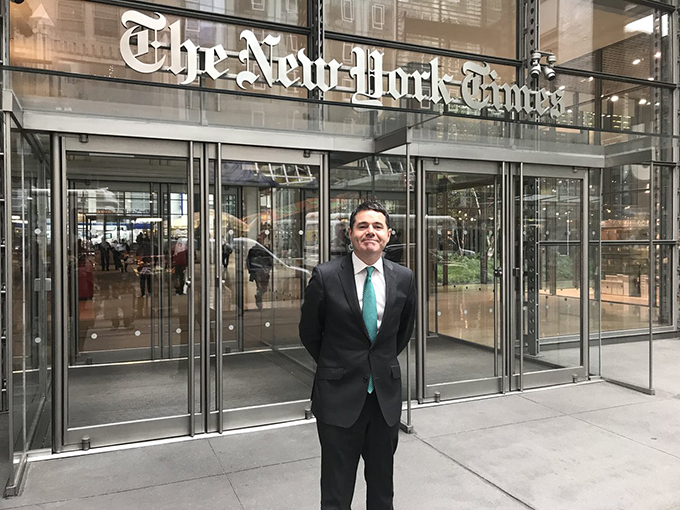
(369, 205)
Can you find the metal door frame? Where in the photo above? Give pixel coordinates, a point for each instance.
(523, 380)
(483, 385)
(65, 438)
(221, 419)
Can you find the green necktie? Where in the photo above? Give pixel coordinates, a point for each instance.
(370, 313)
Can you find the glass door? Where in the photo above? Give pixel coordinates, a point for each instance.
(550, 315)
(463, 349)
(266, 245)
(130, 260)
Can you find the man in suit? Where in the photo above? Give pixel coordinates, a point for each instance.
(357, 317)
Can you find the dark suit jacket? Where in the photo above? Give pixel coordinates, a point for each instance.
(333, 331)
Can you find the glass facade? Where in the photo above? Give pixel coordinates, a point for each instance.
(173, 174)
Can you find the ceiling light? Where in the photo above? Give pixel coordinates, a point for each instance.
(642, 101)
(591, 78)
(562, 87)
(613, 99)
(636, 61)
(651, 78)
(657, 54)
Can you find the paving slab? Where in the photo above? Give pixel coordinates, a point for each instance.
(565, 463)
(213, 493)
(287, 486)
(477, 414)
(655, 424)
(586, 397)
(102, 473)
(240, 452)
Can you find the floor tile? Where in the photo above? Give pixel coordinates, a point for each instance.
(289, 486)
(213, 493)
(477, 414)
(90, 475)
(250, 450)
(655, 423)
(586, 397)
(564, 463)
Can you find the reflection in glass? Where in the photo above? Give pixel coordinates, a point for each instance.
(553, 260)
(616, 38)
(378, 178)
(270, 245)
(30, 311)
(483, 27)
(128, 258)
(462, 224)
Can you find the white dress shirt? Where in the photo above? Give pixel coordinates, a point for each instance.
(378, 279)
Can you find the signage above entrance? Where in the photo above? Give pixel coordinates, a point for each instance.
(478, 88)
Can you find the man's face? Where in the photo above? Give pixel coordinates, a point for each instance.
(369, 235)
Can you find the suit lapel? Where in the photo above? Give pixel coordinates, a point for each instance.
(350, 288)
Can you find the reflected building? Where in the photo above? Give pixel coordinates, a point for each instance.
(173, 173)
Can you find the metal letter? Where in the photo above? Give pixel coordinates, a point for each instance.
(360, 71)
(312, 80)
(210, 60)
(144, 23)
(253, 45)
(471, 87)
(439, 89)
(286, 64)
(418, 79)
(392, 89)
(176, 55)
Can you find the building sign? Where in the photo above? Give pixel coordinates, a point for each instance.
(142, 50)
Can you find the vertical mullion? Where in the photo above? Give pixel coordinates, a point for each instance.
(190, 311)
(219, 347)
(651, 286)
(520, 264)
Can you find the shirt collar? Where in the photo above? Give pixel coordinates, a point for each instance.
(360, 265)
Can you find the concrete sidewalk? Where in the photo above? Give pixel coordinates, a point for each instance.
(589, 446)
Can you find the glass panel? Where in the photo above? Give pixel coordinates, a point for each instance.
(70, 43)
(270, 233)
(462, 224)
(594, 268)
(21, 275)
(380, 178)
(485, 27)
(663, 202)
(552, 273)
(625, 203)
(625, 306)
(291, 12)
(592, 102)
(625, 298)
(129, 308)
(613, 37)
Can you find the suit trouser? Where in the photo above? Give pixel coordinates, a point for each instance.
(369, 437)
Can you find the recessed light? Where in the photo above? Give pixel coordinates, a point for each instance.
(636, 61)
(651, 78)
(591, 78)
(657, 104)
(613, 99)
(562, 87)
(657, 54)
(642, 101)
